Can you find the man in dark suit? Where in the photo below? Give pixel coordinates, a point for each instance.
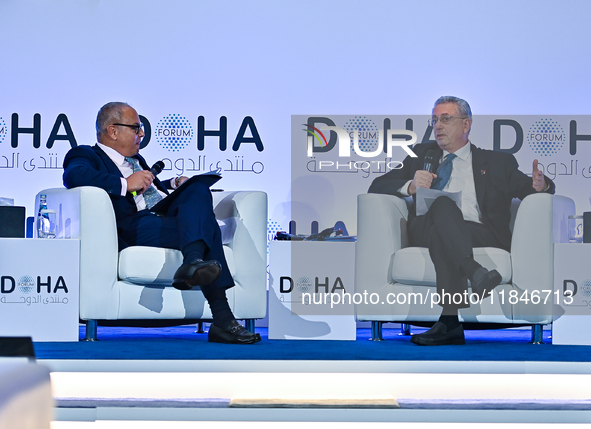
(188, 224)
(488, 181)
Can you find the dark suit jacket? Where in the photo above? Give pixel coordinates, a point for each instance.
(497, 181)
(91, 166)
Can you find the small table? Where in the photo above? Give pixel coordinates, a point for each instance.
(39, 288)
(572, 273)
(311, 290)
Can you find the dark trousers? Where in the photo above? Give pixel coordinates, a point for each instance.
(450, 240)
(189, 218)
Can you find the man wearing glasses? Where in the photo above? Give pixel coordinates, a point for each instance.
(189, 223)
(488, 181)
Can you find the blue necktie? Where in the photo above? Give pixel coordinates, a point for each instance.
(151, 195)
(443, 172)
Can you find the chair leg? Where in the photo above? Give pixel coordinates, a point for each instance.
(91, 327)
(376, 331)
(249, 325)
(404, 329)
(537, 334)
(199, 328)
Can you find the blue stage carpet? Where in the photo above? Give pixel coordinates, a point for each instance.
(181, 342)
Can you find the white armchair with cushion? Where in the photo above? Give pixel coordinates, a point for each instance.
(135, 284)
(404, 276)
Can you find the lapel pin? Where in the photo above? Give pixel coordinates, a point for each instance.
(482, 171)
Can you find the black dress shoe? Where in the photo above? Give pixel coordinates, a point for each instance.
(438, 335)
(233, 334)
(196, 273)
(485, 281)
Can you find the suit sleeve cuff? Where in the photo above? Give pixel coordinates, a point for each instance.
(404, 190)
(123, 187)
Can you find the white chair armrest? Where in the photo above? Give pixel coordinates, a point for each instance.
(86, 213)
(381, 231)
(249, 247)
(539, 221)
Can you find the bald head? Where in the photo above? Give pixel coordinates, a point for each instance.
(110, 113)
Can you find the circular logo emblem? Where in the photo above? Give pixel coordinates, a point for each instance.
(366, 130)
(3, 130)
(26, 284)
(304, 285)
(174, 132)
(272, 228)
(546, 137)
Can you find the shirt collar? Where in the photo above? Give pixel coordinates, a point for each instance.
(115, 156)
(462, 153)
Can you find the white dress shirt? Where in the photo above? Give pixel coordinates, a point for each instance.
(126, 170)
(462, 179)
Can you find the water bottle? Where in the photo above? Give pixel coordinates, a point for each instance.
(42, 218)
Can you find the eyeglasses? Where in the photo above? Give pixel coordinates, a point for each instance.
(136, 127)
(444, 119)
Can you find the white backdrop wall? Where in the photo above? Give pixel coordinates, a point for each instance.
(268, 60)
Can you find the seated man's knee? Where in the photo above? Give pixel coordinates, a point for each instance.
(197, 189)
(444, 204)
(444, 207)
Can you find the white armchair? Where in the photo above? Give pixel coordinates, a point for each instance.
(135, 284)
(385, 265)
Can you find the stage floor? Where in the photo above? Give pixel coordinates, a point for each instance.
(174, 374)
(183, 343)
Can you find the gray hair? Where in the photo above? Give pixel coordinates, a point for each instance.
(109, 114)
(463, 106)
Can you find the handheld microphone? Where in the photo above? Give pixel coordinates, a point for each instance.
(157, 168)
(431, 161)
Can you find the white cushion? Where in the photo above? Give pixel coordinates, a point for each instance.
(144, 265)
(413, 265)
(156, 266)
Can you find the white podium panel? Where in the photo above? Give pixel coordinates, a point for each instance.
(572, 292)
(39, 286)
(311, 290)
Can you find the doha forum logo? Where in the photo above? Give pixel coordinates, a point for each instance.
(26, 284)
(3, 130)
(304, 285)
(174, 132)
(367, 131)
(546, 137)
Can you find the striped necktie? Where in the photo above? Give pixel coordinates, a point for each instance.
(443, 172)
(151, 195)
